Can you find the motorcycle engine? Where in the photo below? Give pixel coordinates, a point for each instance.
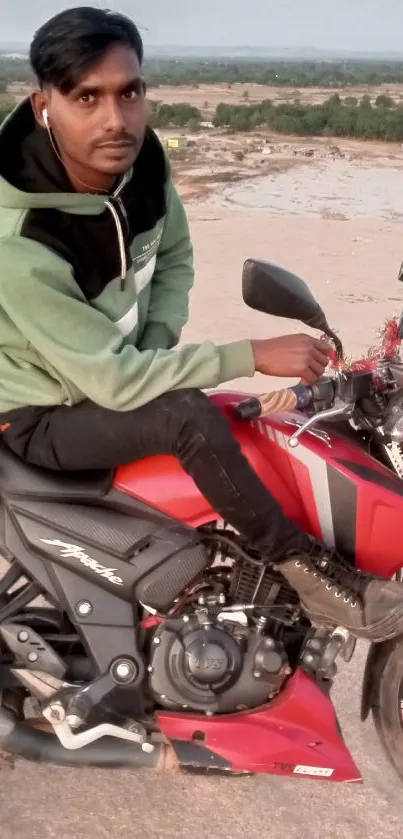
(214, 664)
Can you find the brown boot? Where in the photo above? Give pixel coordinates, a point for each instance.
(333, 593)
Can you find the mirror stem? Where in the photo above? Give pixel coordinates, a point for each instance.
(337, 343)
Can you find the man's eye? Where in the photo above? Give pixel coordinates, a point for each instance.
(87, 98)
(130, 94)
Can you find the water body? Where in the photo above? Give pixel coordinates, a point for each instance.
(334, 189)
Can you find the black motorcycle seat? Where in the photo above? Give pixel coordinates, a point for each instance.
(17, 478)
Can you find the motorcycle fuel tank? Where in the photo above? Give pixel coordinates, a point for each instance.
(329, 485)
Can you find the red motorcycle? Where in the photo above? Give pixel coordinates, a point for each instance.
(160, 638)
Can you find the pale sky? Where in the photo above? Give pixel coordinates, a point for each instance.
(367, 25)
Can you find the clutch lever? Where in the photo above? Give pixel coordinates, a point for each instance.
(339, 410)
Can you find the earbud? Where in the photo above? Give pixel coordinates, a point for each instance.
(45, 117)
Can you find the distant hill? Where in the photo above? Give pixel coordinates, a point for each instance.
(267, 53)
(7, 51)
(240, 52)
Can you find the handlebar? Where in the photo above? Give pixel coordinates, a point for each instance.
(329, 398)
(298, 397)
(295, 398)
(360, 389)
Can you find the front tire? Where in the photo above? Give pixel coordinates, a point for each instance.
(387, 707)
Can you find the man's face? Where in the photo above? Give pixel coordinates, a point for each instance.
(99, 126)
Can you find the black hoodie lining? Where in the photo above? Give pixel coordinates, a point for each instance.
(89, 243)
(27, 159)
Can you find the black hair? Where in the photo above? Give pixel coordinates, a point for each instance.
(71, 43)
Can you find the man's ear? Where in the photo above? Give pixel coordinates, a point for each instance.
(39, 102)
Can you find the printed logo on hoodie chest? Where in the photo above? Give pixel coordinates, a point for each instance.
(143, 248)
(127, 304)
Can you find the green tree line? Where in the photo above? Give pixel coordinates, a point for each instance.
(269, 72)
(334, 118)
(179, 115)
(15, 70)
(337, 118)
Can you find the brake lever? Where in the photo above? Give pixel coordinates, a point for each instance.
(339, 410)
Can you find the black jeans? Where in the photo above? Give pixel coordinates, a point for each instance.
(183, 423)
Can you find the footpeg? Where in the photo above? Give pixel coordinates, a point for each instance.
(347, 643)
(56, 716)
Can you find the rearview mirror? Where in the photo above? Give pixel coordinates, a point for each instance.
(270, 289)
(275, 291)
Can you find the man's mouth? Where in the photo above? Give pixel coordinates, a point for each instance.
(116, 144)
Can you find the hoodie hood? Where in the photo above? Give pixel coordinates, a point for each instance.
(31, 176)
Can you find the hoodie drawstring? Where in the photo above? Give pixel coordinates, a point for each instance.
(121, 240)
(119, 230)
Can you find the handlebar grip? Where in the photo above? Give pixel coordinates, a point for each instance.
(290, 398)
(267, 403)
(249, 409)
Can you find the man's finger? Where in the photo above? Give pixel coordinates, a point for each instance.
(320, 357)
(322, 346)
(317, 368)
(309, 377)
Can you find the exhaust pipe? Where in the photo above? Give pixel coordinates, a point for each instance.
(20, 740)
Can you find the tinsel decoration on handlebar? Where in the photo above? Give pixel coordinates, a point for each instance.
(298, 397)
(387, 348)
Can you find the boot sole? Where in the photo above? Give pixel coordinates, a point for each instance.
(384, 630)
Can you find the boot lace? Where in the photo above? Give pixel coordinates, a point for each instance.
(336, 573)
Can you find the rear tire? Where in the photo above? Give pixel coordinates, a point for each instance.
(388, 706)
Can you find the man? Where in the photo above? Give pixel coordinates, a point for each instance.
(95, 272)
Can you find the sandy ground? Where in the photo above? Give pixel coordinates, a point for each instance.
(351, 266)
(210, 159)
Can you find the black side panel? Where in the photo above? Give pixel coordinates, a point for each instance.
(124, 503)
(170, 558)
(160, 587)
(373, 476)
(108, 632)
(343, 500)
(111, 531)
(44, 540)
(36, 566)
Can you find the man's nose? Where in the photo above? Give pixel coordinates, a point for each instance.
(113, 117)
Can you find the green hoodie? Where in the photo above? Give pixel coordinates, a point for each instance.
(94, 289)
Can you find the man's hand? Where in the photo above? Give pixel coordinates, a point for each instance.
(291, 355)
